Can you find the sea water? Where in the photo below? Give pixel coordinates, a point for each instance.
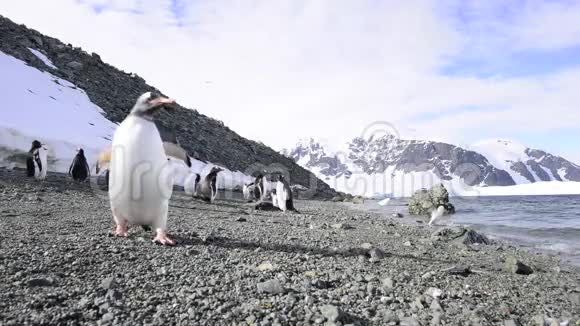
(550, 224)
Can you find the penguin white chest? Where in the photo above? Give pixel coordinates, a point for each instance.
(282, 195)
(40, 163)
(140, 177)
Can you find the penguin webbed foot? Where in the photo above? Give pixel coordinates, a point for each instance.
(162, 239)
(121, 231)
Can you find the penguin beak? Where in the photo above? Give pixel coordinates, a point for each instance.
(161, 101)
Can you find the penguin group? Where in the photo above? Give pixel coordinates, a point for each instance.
(276, 188)
(142, 198)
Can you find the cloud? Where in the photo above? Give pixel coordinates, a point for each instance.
(277, 71)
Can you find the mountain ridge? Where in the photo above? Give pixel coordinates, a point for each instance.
(500, 164)
(115, 91)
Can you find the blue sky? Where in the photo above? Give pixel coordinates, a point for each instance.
(451, 70)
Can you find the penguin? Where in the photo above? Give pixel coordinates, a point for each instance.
(248, 191)
(79, 169)
(32, 157)
(258, 187)
(140, 181)
(37, 161)
(208, 187)
(191, 184)
(284, 194)
(102, 166)
(274, 198)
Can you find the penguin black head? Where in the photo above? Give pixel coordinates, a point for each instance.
(81, 152)
(35, 144)
(149, 103)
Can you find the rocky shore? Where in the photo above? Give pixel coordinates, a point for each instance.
(328, 265)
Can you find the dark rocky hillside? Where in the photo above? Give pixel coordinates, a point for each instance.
(115, 91)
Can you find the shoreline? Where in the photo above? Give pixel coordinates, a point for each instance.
(233, 265)
(525, 243)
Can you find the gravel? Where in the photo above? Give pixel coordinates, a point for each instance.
(59, 265)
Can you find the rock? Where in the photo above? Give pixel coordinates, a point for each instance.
(108, 283)
(366, 246)
(460, 235)
(436, 306)
(409, 321)
(424, 201)
(271, 286)
(398, 215)
(330, 312)
(75, 65)
(511, 322)
(513, 265)
(108, 318)
(458, 270)
(538, 320)
(341, 226)
(241, 219)
(407, 244)
(358, 200)
(266, 266)
(337, 199)
(388, 283)
(472, 237)
(434, 292)
(40, 282)
(376, 254)
(37, 40)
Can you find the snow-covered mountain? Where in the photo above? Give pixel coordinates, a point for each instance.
(526, 165)
(389, 166)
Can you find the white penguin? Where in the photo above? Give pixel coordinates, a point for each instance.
(37, 162)
(191, 184)
(248, 191)
(284, 194)
(274, 198)
(140, 181)
(208, 188)
(436, 214)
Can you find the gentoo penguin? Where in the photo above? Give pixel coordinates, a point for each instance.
(79, 168)
(248, 191)
(284, 194)
(171, 149)
(36, 163)
(191, 184)
(274, 197)
(258, 186)
(32, 157)
(140, 183)
(208, 187)
(436, 214)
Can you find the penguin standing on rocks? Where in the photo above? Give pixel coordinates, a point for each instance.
(140, 183)
(37, 161)
(258, 187)
(284, 194)
(79, 169)
(191, 184)
(208, 187)
(248, 191)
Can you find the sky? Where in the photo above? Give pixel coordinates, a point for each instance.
(276, 71)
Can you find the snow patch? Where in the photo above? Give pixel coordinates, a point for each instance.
(43, 58)
(54, 111)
